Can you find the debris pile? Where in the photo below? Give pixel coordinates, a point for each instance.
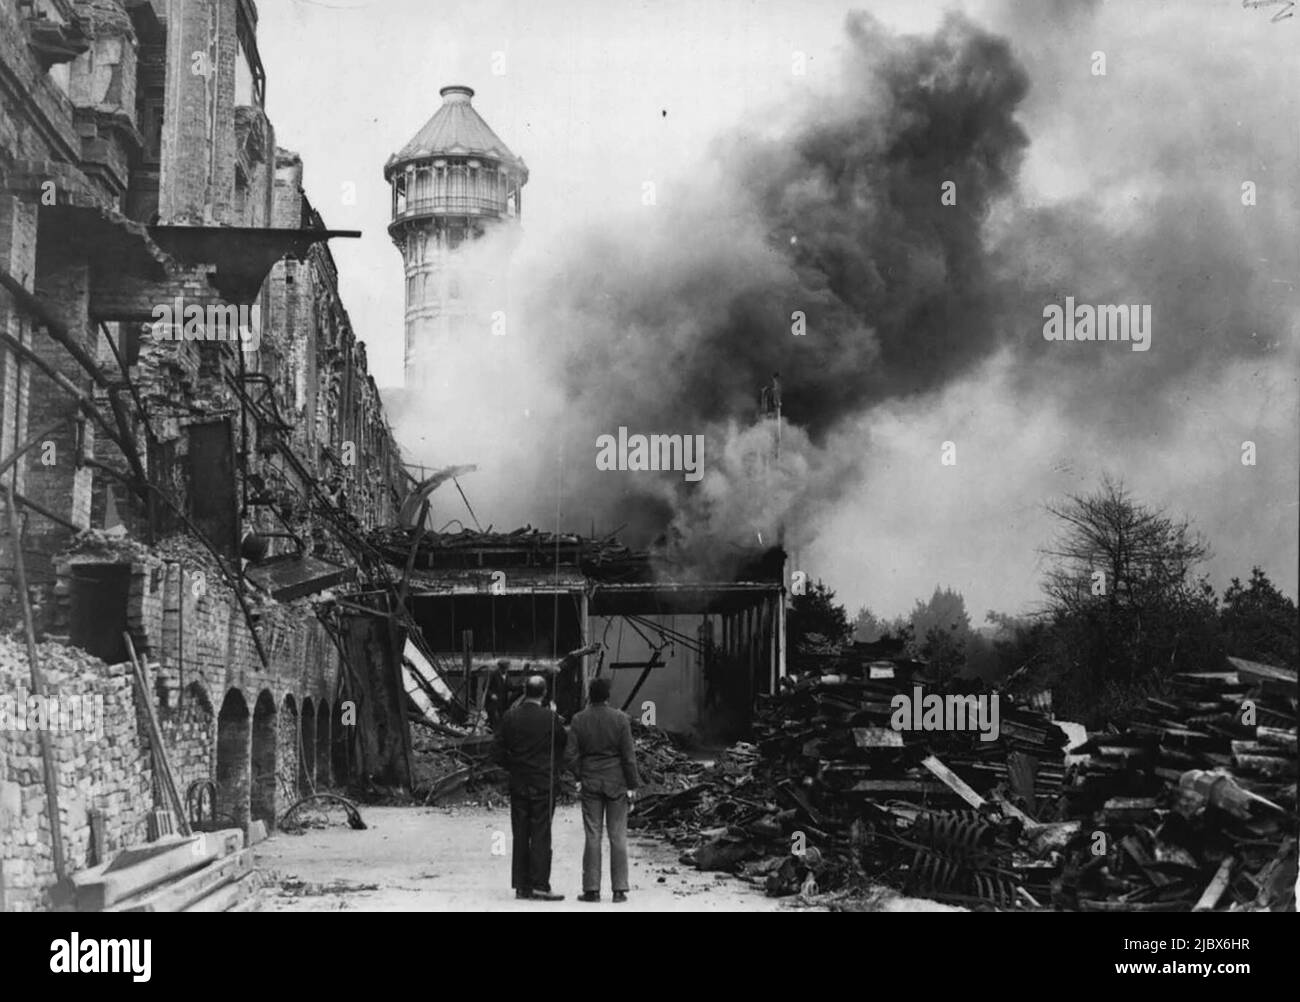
(446, 764)
(832, 795)
(603, 559)
(1193, 804)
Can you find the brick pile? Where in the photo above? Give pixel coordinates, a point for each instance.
(107, 771)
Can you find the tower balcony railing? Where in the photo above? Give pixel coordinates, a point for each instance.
(452, 205)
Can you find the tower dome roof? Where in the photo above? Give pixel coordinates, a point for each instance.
(456, 129)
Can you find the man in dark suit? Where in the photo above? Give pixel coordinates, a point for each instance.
(530, 744)
(603, 757)
(498, 694)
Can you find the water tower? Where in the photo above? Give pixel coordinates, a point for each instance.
(453, 184)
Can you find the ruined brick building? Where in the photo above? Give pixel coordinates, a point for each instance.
(189, 436)
(196, 467)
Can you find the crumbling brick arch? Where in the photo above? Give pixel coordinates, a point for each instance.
(287, 768)
(323, 744)
(307, 748)
(262, 791)
(234, 731)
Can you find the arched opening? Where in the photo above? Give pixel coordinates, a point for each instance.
(307, 748)
(339, 742)
(262, 793)
(232, 758)
(323, 744)
(286, 779)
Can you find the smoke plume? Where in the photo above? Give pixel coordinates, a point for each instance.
(671, 317)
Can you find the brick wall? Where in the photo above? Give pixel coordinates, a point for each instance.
(189, 728)
(106, 769)
(223, 716)
(184, 620)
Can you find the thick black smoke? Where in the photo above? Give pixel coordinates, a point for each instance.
(670, 318)
(839, 219)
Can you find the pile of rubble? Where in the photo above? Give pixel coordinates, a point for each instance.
(453, 764)
(1190, 807)
(1193, 804)
(603, 558)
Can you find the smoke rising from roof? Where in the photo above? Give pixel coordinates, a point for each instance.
(669, 317)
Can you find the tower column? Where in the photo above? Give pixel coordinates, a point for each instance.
(454, 182)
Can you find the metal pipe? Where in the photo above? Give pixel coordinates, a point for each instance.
(41, 510)
(30, 444)
(38, 308)
(83, 401)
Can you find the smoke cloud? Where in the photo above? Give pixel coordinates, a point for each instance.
(920, 316)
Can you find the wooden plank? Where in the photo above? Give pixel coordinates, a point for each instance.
(1215, 888)
(953, 781)
(252, 903)
(1124, 804)
(897, 786)
(1278, 736)
(156, 738)
(1257, 673)
(877, 737)
(228, 895)
(1009, 808)
(176, 896)
(142, 868)
(1267, 765)
(100, 887)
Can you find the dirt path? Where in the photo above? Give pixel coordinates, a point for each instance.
(441, 859)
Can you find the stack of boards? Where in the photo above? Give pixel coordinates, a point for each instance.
(205, 872)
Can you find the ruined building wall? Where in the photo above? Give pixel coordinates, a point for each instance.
(101, 769)
(113, 133)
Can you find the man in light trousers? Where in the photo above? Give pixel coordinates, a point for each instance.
(602, 755)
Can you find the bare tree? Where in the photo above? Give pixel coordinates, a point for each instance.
(1116, 553)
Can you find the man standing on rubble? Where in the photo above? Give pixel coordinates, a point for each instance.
(601, 754)
(530, 744)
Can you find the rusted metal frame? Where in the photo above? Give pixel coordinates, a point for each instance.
(43, 511)
(38, 308)
(87, 406)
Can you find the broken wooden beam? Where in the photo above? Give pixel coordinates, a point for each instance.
(954, 782)
(1215, 888)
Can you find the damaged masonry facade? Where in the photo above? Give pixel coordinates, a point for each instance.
(169, 500)
(212, 539)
